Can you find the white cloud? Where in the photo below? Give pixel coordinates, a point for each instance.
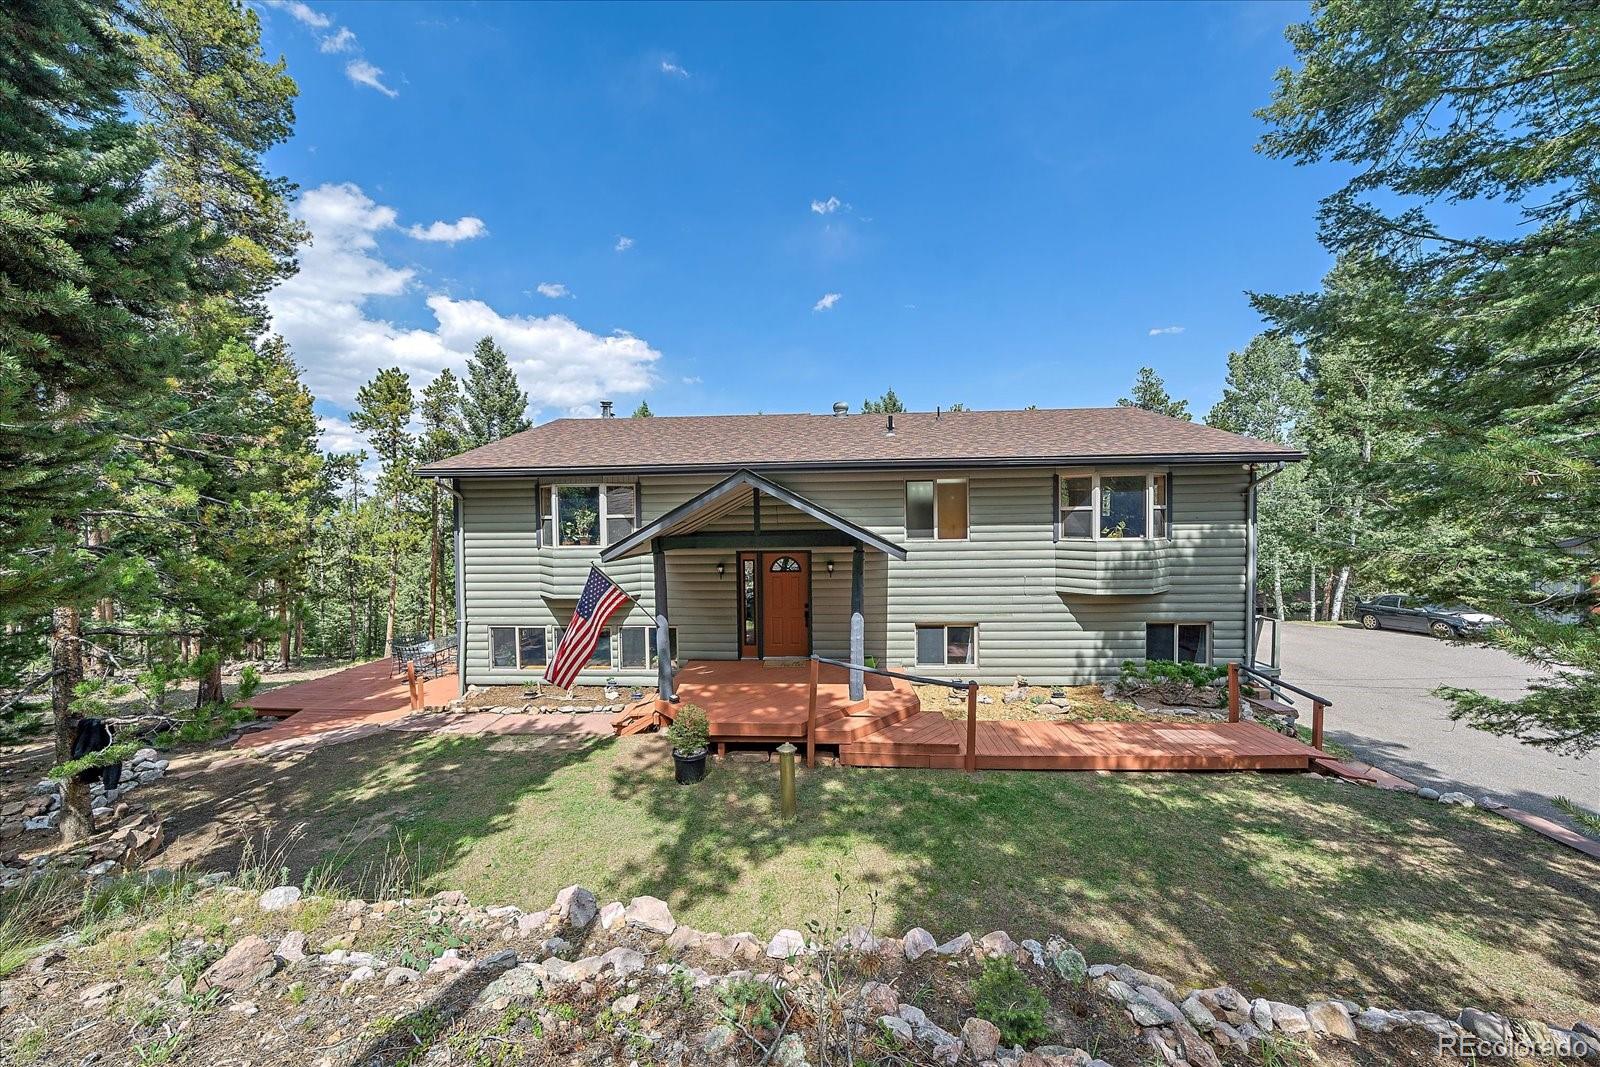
(669, 67)
(363, 73)
(554, 290)
(692, 379)
(302, 13)
(343, 41)
(623, 244)
(463, 229)
(826, 207)
(827, 301)
(1157, 331)
(323, 313)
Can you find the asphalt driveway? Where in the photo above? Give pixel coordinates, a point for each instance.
(1381, 684)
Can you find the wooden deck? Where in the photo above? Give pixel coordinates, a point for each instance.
(365, 689)
(746, 701)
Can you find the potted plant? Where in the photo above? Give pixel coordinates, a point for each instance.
(689, 734)
(611, 689)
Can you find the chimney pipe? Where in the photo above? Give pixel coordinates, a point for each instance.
(841, 408)
(605, 410)
(890, 430)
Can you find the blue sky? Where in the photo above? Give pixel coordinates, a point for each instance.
(1013, 204)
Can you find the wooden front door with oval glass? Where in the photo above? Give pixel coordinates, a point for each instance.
(785, 603)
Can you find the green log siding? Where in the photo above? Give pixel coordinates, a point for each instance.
(1050, 611)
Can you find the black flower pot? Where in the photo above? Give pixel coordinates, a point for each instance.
(689, 767)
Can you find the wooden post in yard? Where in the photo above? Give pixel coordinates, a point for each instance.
(1316, 724)
(972, 727)
(1233, 692)
(811, 715)
(414, 699)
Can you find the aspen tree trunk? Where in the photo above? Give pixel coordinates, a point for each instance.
(285, 636)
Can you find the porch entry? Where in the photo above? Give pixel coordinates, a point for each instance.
(774, 604)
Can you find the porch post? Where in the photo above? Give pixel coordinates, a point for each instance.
(658, 556)
(858, 626)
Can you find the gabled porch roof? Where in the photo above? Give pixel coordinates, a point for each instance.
(727, 496)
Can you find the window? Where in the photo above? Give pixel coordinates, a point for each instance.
(1077, 507)
(581, 516)
(1114, 506)
(638, 646)
(1184, 642)
(937, 510)
(947, 646)
(601, 656)
(747, 599)
(785, 565)
(517, 647)
(1122, 503)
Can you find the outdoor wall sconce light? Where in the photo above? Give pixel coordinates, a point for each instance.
(830, 568)
(722, 568)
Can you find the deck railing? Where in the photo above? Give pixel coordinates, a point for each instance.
(1319, 705)
(969, 760)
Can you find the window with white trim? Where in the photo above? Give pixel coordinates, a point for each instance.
(947, 645)
(936, 510)
(636, 647)
(1114, 506)
(1181, 642)
(518, 648)
(587, 516)
(601, 656)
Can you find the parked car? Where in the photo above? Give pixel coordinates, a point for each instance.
(1395, 612)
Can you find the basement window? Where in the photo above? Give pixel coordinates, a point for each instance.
(947, 645)
(638, 646)
(1182, 642)
(514, 648)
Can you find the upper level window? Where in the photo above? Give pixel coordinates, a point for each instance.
(577, 516)
(937, 509)
(1114, 506)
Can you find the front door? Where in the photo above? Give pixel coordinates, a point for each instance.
(786, 603)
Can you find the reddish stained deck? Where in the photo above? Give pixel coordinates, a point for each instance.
(365, 689)
(748, 701)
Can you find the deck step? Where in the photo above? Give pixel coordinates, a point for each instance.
(1273, 707)
(925, 733)
(857, 727)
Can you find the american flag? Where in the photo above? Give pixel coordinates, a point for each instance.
(601, 596)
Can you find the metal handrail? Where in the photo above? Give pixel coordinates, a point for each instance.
(921, 679)
(1276, 683)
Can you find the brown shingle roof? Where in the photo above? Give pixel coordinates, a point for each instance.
(920, 439)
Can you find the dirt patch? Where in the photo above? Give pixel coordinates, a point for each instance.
(584, 696)
(1084, 703)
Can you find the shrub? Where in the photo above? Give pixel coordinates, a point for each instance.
(1156, 671)
(249, 682)
(690, 730)
(1004, 996)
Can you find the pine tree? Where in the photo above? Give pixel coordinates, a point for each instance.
(1493, 334)
(383, 410)
(90, 267)
(442, 433)
(887, 404)
(643, 411)
(1150, 393)
(494, 405)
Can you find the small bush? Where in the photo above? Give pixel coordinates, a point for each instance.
(1004, 996)
(1161, 670)
(249, 682)
(690, 730)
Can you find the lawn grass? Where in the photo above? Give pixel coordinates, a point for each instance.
(1288, 886)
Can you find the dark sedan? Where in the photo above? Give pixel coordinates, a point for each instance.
(1394, 612)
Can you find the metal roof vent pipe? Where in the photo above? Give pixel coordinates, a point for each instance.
(841, 408)
(605, 410)
(888, 430)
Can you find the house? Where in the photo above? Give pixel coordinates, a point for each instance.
(1051, 544)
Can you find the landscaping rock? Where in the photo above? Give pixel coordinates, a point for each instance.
(577, 906)
(242, 967)
(526, 982)
(292, 948)
(981, 1037)
(1487, 1027)
(917, 942)
(280, 899)
(612, 914)
(956, 946)
(1427, 792)
(791, 1052)
(997, 943)
(1460, 800)
(786, 944)
(1332, 1018)
(898, 1029)
(650, 913)
(880, 999)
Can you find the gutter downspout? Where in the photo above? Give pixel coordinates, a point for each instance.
(1251, 490)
